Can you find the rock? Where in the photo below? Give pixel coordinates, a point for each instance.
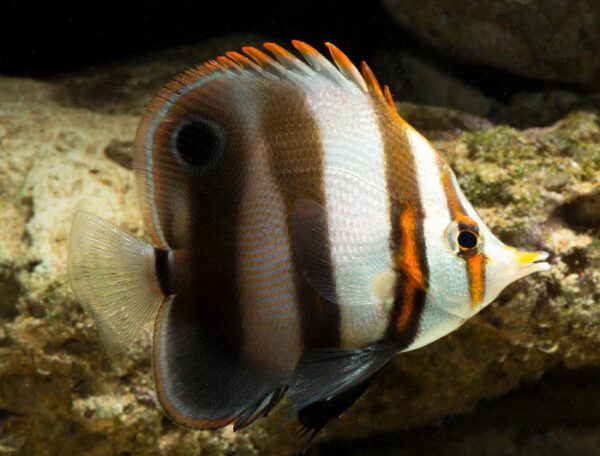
(60, 393)
(127, 88)
(556, 41)
(420, 79)
(556, 415)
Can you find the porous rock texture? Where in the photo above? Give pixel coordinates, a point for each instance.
(66, 144)
(552, 40)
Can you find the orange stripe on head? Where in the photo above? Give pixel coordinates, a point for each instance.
(475, 260)
(476, 273)
(456, 210)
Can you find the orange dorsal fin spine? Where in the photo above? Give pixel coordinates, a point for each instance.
(227, 63)
(371, 80)
(242, 60)
(323, 66)
(287, 59)
(264, 60)
(284, 64)
(388, 97)
(346, 67)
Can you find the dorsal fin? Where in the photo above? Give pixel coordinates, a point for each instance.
(287, 59)
(265, 61)
(241, 60)
(371, 80)
(284, 64)
(388, 97)
(320, 64)
(346, 67)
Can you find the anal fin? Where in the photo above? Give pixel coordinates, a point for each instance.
(259, 409)
(315, 416)
(321, 375)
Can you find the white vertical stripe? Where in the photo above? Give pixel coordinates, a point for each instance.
(357, 207)
(435, 323)
(447, 272)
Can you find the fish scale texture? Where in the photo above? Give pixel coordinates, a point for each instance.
(61, 394)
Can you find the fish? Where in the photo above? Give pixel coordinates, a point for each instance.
(302, 234)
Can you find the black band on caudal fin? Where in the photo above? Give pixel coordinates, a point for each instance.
(161, 268)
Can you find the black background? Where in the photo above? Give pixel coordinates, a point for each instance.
(47, 40)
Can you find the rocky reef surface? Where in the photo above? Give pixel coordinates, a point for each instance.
(554, 40)
(66, 144)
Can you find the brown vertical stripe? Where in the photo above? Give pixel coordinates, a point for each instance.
(205, 380)
(199, 213)
(162, 200)
(407, 242)
(296, 157)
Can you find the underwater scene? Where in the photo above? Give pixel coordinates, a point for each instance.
(300, 228)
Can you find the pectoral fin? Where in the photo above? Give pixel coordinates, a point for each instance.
(362, 255)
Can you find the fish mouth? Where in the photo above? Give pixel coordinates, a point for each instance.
(530, 262)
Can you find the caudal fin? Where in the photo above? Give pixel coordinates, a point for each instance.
(112, 276)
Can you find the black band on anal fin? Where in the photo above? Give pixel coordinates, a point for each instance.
(315, 416)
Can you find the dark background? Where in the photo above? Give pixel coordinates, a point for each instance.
(53, 40)
(41, 41)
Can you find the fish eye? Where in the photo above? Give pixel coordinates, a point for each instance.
(467, 239)
(464, 237)
(199, 143)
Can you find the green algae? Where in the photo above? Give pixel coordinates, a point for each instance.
(501, 145)
(486, 192)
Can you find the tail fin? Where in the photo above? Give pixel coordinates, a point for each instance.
(113, 277)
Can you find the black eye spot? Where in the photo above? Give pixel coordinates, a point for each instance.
(467, 239)
(199, 143)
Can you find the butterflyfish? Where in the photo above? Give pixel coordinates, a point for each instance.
(303, 233)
